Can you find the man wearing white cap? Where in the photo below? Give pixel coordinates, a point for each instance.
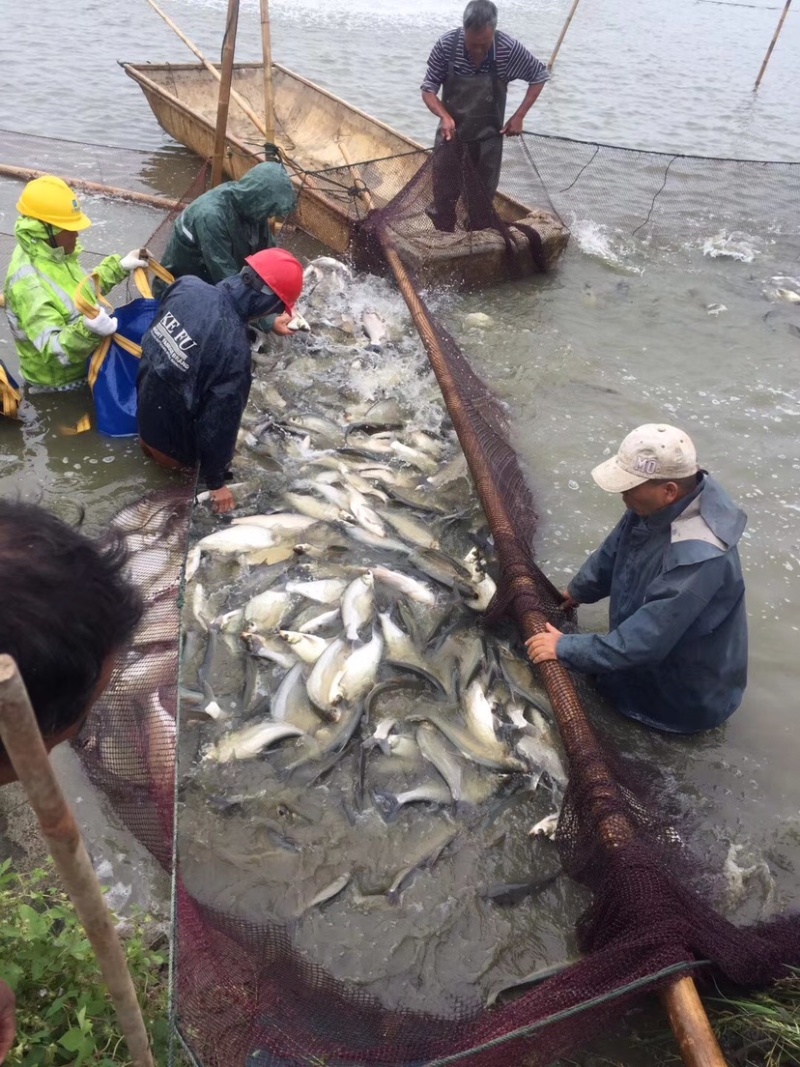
(676, 655)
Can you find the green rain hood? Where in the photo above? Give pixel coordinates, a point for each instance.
(214, 236)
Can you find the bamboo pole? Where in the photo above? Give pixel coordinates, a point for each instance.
(26, 174)
(775, 36)
(696, 1040)
(266, 48)
(235, 95)
(223, 103)
(23, 743)
(563, 33)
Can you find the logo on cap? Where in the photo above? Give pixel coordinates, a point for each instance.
(647, 465)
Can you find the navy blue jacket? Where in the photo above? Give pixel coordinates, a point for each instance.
(195, 372)
(676, 655)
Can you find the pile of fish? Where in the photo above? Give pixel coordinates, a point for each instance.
(360, 758)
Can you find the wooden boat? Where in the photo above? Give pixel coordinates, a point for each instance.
(319, 132)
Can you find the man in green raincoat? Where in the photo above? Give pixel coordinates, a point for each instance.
(53, 340)
(214, 236)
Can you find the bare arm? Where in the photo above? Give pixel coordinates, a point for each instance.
(434, 104)
(514, 125)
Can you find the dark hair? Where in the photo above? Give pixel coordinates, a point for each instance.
(685, 485)
(478, 14)
(67, 605)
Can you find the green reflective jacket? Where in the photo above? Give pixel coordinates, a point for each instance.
(220, 229)
(52, 342)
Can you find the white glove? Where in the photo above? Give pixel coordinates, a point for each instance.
(103, 324)
(137, 257)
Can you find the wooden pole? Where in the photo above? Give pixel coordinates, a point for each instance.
(563, 33)
(266, 48)
(784, 13)
(696, 1040)
(23, 743)
(223, 103)
(26, 174)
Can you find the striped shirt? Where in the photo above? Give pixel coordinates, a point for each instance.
(513, 60)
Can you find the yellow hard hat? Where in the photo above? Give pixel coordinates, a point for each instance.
(50, 199)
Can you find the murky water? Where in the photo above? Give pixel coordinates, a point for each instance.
(623, 332)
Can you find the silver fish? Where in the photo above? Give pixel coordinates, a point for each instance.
(375, 328)
(496, 757)
(407, 585)
(307, 647)
(251, 740)
(409, 529)
(323, 682)
(440, 753)
(319, 622)
(281, 523)
(235, 539)
(427, 793)
(265, 612)
(450, 472)
(401, 651)
(358, 604)
(271, 648)
(326, 591)
(319, 510)
(291, 703)
(421, 460)
(360, 669)
(328, 893)
(478, 715)
(545, 827)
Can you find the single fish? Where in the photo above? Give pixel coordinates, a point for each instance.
(429, 793)
(413, 456)
(151, 670)
(265, 612)
(160, 622)
(319, 622)
(408, 586)
(271, 648)
(319, 510)
(358, 605)
(409, 529)
(508, 893)
(478, 714)
(364, 515)
(365, 537)
(360, 669)
(545, 827)
(281, 523)
(425, 861)
(538, 744)
(326, 591)
(236, 539)
(375, 328)
(291, 703)
(307, 647)
(251, 740)
(326, 894)
(530, 979)
(401, 652)
(450, 472)
(323, 685)
(412, 498)
(441, 755)
(495, 757)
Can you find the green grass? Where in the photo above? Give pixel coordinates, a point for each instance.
(64, 1013)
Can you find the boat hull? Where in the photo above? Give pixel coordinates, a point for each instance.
(319, 132)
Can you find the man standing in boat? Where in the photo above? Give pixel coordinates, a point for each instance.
(473, 67)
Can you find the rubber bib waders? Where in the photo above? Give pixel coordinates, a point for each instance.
(478, 105)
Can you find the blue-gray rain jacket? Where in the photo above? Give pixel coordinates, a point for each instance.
(195, 371)
(676, 655)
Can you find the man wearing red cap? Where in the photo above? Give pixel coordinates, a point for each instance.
(676, 655)
(195, 371)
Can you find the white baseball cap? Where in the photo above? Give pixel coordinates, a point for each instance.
(650, 451)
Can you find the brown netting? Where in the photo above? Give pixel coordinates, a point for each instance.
(244, 994)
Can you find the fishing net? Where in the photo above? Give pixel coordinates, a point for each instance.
(244, 993)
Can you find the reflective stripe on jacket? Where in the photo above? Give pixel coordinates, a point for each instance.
(51, 340)
(676, 655)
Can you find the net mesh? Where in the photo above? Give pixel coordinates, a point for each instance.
(244, 993)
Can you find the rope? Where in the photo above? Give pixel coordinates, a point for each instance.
(577, 1009)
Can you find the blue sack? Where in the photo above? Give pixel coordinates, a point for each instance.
(115, 363)
(113, 378)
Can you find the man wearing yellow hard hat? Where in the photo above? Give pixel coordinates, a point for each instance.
(53, 339)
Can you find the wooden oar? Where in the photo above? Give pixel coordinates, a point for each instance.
(563, 33)
(23, 743)
(266, 49)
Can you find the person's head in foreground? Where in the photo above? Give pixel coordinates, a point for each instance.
(68, 609)
(656, 465)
